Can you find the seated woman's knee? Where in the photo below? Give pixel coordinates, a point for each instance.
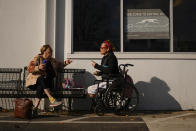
(40, 79)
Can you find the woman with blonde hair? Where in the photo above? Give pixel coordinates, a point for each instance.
(42, 69)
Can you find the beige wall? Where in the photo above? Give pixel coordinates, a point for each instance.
(165, 81)
(163, 84)
(22, 31)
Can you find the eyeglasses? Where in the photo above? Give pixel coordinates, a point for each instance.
(103, 47)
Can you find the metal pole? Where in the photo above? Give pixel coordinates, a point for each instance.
(121, 27)
(171, 27)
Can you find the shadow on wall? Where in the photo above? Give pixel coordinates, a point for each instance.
(154, 95)
(84, 104)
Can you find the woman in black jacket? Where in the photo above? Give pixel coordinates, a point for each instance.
(107, 69)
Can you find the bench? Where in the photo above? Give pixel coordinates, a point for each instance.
(10, 82)
(12, 86)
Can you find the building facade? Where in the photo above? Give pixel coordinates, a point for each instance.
(158, 37)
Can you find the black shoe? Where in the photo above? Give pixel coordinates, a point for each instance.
(92, 107)
(35, 113)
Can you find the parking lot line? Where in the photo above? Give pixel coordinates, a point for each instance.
(74, 119)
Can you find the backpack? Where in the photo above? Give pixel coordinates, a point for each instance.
(68, 83)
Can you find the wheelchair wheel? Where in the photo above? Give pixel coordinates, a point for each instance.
(133, 101)
(99, 110)
(119, 101)
(108, 99)
(114, 100)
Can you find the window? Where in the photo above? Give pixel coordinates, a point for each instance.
(184, 26)
(146, 25)
(94, 22)
(140, 26)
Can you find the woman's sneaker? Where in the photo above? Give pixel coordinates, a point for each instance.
(55, 103)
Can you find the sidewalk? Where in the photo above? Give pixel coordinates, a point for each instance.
(138, 121)
(171, 121)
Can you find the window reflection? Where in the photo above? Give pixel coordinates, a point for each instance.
(94, 22)
(146, 26)
(184, 26)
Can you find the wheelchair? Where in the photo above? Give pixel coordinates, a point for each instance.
(119, 95)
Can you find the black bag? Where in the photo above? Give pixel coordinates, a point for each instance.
(117, 84)
(50, 70)
(23, 108)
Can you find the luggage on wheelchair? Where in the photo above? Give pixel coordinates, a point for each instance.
(123, 85)
(128, 87)
(117, 84)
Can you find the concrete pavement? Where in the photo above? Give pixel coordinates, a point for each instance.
(139, 121)
(171, 121)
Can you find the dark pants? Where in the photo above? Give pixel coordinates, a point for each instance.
(41, 84)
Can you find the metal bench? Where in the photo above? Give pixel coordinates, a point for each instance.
(11, 85)
(10, 82)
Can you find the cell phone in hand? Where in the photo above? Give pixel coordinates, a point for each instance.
(44, 61)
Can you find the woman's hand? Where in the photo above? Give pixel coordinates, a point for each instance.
(41, 67)
(68, 61)
(96, 73)
(93, 63)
